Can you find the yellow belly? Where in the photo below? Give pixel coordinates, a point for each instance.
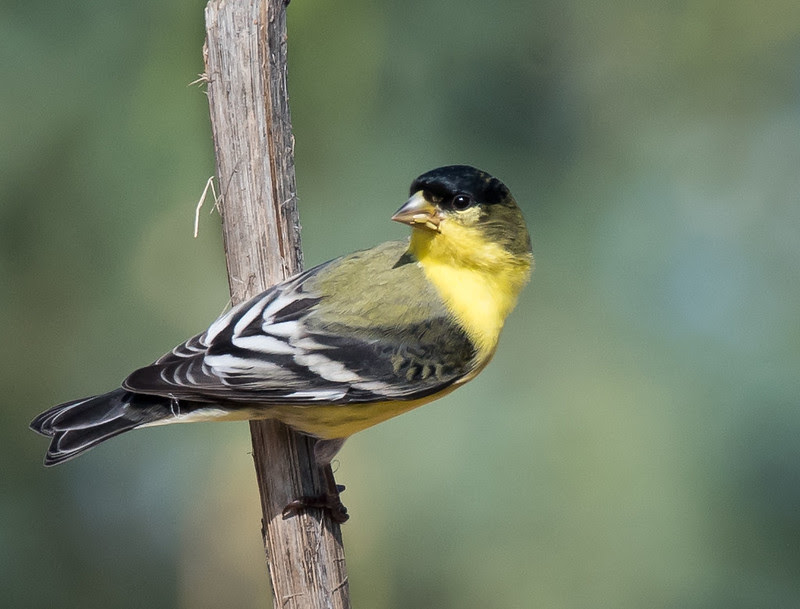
(341, 421)
(325, 421)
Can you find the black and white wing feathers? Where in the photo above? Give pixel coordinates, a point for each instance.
(276, 349)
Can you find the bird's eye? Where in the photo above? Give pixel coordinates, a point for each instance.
(461, 202)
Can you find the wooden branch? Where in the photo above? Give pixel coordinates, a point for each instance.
(246, 69)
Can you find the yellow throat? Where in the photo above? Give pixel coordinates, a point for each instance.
(479, 280)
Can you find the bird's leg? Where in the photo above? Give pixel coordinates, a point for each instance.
(324, 452)
(329, 500)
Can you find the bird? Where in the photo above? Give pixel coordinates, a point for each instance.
(344, 345)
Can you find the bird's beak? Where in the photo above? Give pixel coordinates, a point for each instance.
(418, 211)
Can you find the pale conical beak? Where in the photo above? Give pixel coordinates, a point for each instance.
(418, 211)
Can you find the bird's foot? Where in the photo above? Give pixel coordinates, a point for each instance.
(326, 501)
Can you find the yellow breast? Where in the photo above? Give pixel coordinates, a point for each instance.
(478, 280)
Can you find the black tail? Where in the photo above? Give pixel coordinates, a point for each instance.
(79, 425)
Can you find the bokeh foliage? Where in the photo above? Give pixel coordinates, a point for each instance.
(635, 442)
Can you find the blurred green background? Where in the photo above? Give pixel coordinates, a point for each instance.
(635, 443)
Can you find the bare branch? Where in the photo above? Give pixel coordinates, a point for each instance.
(246, 72)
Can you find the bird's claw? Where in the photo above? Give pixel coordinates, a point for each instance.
(326, 501)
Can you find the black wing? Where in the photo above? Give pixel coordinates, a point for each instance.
(274, 349)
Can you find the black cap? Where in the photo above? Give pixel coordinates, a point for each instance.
(451, 180)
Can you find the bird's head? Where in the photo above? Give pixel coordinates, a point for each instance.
(464, 205)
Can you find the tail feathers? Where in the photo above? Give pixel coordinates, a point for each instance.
(79, 425)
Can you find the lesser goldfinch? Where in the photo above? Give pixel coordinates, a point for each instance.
(346, 344)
